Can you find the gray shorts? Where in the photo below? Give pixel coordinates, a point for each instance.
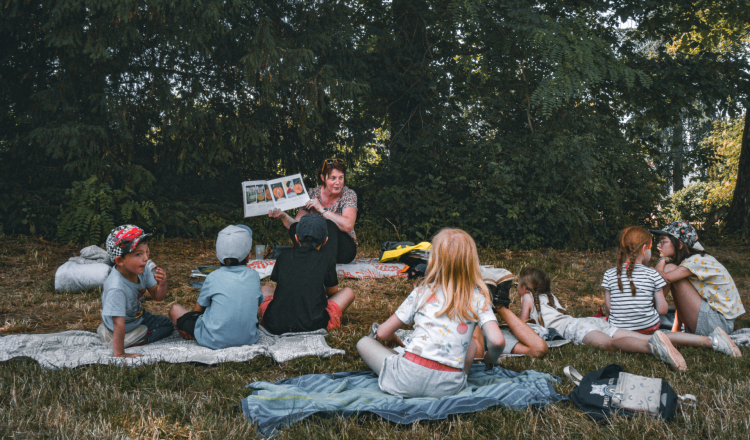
(402, 377)
(510, 340)
(709, 319)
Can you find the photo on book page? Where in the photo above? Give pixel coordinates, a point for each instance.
(284, 193)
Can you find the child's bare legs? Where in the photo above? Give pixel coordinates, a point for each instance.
(267, 290)
(471, 354)
(687, 301)
(175, 313)
(529, 343)
(373, 353)
(343, 298)
(623, 340)
(477, 338)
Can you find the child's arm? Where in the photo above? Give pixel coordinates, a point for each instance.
(608, 300)
(387, 330)
(159, 291)
(330, 291)
(660, 302)
(119, 338)
(526, 303)
(495, 341)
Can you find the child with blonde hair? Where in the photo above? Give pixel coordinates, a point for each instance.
(444, 308)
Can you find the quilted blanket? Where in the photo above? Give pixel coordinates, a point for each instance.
(74, 348)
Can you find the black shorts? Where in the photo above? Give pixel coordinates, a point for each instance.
(186, 322)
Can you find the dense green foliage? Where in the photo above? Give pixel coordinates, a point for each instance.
(527, 123)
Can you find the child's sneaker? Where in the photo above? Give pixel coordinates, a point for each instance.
(720, 341)
(135, 337)
(663, 350)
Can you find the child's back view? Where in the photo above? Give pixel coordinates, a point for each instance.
(225, 314)
(451, 300)
(306, 297)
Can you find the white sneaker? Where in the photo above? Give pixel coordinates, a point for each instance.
(720, 341)
(135, 336)
(663, 350)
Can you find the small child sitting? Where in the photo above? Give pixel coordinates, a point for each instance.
(125, 322)
(306, 297)
(225, 314)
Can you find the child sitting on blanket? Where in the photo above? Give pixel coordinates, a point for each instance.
(704, 293)
(601, 334)
(225, 314)
(445, 307)
(307, 296)
(633, 292)
(125, 322)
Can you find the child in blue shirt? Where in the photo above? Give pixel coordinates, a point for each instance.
(226, 312)
(125, 322)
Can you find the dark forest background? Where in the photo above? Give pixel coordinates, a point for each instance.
(528, 123)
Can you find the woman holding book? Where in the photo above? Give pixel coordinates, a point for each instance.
(336, 203)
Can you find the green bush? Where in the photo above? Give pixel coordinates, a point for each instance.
(692, 203)
(93, 209)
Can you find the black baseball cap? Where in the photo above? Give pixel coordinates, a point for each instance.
(312, 229)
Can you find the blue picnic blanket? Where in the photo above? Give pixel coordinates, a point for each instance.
(274, 405)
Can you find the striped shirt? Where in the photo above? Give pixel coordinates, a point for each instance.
(630, 312)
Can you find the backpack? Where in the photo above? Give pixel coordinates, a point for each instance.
(611, 391)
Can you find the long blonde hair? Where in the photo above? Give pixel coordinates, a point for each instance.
(454, 266)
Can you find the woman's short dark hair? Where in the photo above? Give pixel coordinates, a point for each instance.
(326, 169)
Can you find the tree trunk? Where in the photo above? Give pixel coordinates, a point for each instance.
(678, 154)
(738, 218)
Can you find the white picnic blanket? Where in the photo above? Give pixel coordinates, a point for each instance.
(360, 268)
(74, 348)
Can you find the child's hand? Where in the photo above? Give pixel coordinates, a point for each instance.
(128, 355)
(160, 275)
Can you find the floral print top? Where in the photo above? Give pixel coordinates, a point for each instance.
(439, 338)
(713, 282)
(348, 199)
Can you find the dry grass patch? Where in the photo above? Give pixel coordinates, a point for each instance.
(192, 401)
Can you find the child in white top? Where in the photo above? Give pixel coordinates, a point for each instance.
(444, 308)
(633, 292)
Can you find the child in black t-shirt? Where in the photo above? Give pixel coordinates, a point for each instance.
(307, 296)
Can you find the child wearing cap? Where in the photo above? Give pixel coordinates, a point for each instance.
(306, 297)
(704, 293)
(225, 314)
(124, 321)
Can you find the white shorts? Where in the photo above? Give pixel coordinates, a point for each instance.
(580, 327)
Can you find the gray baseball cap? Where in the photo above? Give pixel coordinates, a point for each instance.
(234, 242)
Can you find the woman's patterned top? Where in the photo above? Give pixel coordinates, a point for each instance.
(348, 199)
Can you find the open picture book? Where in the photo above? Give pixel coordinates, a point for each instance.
(261, 196)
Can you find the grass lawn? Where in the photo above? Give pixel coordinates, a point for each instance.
(191, 401)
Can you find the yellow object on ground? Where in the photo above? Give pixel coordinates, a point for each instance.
(399, 251)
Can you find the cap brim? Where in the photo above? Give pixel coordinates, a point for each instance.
(658, 232)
